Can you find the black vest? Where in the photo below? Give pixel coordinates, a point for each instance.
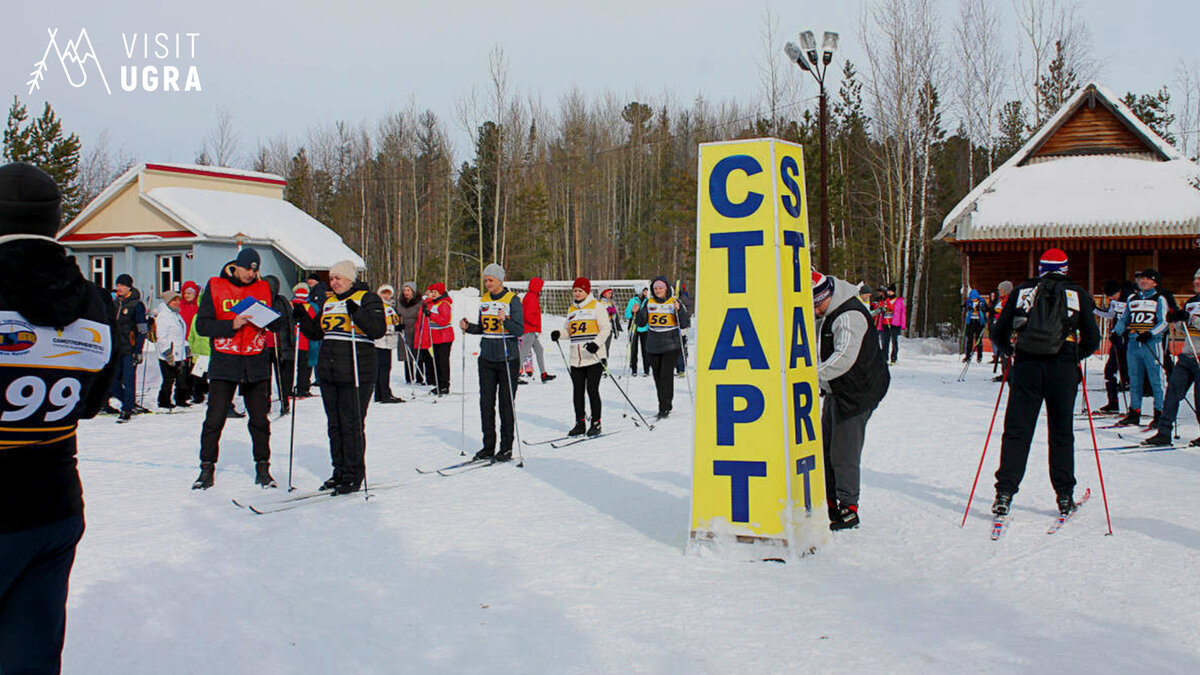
(861, 388)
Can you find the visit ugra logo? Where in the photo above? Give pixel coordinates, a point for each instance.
(16, 337)
(80, 62)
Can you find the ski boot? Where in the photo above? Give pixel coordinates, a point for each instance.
(546, 377)
(594, 430)
(262, 475)
(233, 412)
(1154, 420)
(330, 483)
(205, 480)
(1110, 409)
(346, 487)
(577, 430)
(504, 455)
(124, 417)
(847, 518)
(1003, 504)
(1134, 418)
(485, 453)
(1158, 440)
(1066, 503)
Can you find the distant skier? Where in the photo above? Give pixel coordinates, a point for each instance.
(637, 334)
(1145, 322)
(1003, 290)
(588, 329)
(851, 371)
(384, 347)
(610, 307)
(666, 318)
(975, 316)
(1115, 371)
(43, 298)
(1052, 318)
(1186, 372)
(501, 322)
(348, 323)
(239, 361)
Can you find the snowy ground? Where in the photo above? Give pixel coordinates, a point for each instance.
(574, 563)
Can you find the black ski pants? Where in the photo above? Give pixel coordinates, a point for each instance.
(383, 375)
(256, 396)
(842, 440)
(636, 340)
(347, 424)
(497, 381)
(35, 565)
(1032, 381)
(663, 368)
(1185, 374)
(303, 374)
(174, 377)
(1115, 367)
(974, 341)
(441, 360)
(587, 380)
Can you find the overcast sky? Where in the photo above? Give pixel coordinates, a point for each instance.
(279, 67)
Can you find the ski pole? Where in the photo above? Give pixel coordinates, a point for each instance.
(292, 437)
(627, 400)
(512, 402)
(1154, 353)
(1099, 472)
(985, 447)
(362, 431)
(686, 375)
(462, 427)
(437, 385)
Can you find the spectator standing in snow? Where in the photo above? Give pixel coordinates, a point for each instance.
(437, 337)
(132, 328)
(303, 385)
(893, 319)
(350, 320)
(531, 343)
(43, 297)
(666, 318)
(606, 299)
(384, 347)
(853, 378)
(637, 334)
(239, 361)
(1052, 339)
(587, 332)
(501, 322)
(281, 342)
(172, 352)
(409, 309)
(197, 383)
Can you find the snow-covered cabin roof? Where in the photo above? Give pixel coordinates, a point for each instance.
(229, 215)
(244, 206)
(1141, 186)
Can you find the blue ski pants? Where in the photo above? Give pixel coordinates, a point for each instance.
(1145, 358)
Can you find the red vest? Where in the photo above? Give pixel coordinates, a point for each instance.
(249, 340)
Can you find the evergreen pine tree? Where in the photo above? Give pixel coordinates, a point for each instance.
(41, 142)
(1013, 129)
(1058, 84)
(1154, 111)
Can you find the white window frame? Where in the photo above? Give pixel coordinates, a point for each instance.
(170, 264)
(105, 270)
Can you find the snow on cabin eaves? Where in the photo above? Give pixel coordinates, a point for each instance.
(1097, 195)
(230, 216)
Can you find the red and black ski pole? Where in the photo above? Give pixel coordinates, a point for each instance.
(979, 470)
(1096, 448)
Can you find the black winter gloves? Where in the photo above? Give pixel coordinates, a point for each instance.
(1177, 315)
(1144, 337)
(592, 347)
(554, 335)
(299, 313)
(351, 306)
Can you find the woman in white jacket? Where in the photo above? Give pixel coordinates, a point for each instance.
(173, 355)
(588, 329)
(385, 346)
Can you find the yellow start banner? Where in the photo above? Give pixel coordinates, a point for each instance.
(758, 475)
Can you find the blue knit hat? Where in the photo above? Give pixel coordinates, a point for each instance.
(247, 259)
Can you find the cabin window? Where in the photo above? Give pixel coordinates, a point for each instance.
(102, 271)
(170, 272)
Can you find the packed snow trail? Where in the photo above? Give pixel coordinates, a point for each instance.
(574, 563)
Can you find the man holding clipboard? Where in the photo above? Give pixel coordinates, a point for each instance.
(235, 314)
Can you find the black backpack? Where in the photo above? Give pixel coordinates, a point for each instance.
(1048, 324)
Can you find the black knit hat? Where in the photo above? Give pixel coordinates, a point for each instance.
(29, 201)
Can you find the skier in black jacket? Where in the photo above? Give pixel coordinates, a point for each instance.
(1045, 367)
(57, 347)
(348, 324)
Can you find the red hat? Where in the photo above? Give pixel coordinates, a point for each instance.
(822, 288)
(437, 287)
(1053, 260)
(300, 292)
(607, 291)
(582, 283)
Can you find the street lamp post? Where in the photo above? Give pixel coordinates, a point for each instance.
(806, 57)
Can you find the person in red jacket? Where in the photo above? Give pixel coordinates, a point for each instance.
(303, 384)
(531, 307)
(435, 335)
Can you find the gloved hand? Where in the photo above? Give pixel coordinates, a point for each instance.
(592, 347)
(1002, 350)
(351, 307)
(170, 359)
(1114, 336)
(299, 313)
(1177, 315)
(554, 335)
(137, 359)
(425, 310)
(1144, 337)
